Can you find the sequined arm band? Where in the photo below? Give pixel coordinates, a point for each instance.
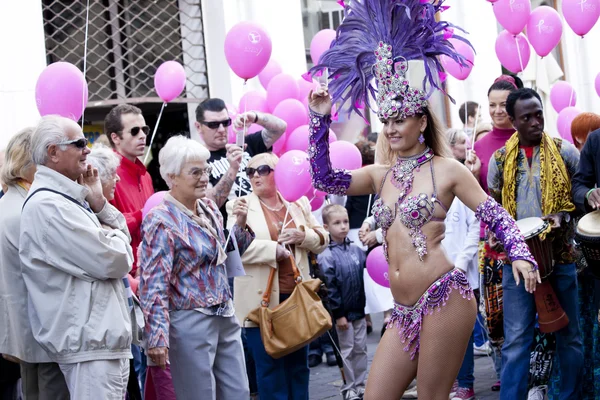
(504, 227)
(324, 177)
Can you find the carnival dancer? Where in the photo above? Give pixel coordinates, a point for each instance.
(417, 181)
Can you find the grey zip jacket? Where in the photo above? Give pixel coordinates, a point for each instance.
(73, 269)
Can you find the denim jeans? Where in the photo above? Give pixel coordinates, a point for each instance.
(285, 378)
(478, 332)
(320, 345)
(519, 321)
(466, 379)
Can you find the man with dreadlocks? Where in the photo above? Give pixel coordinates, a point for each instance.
(416, 182)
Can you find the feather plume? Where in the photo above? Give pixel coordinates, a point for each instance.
(408, 26)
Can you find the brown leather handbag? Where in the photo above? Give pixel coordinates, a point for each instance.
(294, 323)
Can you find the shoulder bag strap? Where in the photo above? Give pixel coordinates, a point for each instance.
(66, 196)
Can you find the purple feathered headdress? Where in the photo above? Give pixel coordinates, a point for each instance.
(377, 39)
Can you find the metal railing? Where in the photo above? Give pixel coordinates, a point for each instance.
(127, 42)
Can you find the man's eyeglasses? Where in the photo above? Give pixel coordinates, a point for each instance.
(79, 143)
(136, 129)
(197, 173)
(263, 170)
(216, 124)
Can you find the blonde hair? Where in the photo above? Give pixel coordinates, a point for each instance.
(332, 209)
(434, 138)
(17, 157)
(269, 159)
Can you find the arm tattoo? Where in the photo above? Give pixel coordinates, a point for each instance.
(274, 128)
(220, 192)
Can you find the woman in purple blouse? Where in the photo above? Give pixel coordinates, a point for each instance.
(184, 292)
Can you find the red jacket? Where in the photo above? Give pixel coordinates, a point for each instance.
(131, 193)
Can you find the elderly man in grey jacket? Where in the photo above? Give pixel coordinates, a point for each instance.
(74, 252)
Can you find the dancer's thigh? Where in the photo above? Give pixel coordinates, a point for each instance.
(444, 338)
(392, 369)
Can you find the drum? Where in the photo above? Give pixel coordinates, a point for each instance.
(551, 316)
(587, 235)
(540, 249)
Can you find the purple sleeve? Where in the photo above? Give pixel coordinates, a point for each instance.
(504, 227)
(324, 177)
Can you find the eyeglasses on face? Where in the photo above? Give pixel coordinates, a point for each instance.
(79, 143)
(197, 173)
(216, 124)
(263, 170)
(136, 129)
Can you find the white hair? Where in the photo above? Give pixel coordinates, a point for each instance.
(50, 130)
(105, 160)
(178, 151)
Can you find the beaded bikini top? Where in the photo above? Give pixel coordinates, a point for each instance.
(413, 211)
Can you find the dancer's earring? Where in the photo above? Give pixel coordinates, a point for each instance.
(421, 138)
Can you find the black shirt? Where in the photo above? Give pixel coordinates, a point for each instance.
(357, 210)
(588, 173)
(219, 163)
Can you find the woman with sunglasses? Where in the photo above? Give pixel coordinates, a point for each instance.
(184, 292)
(282, 230)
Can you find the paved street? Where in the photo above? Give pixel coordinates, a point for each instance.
(325, 381)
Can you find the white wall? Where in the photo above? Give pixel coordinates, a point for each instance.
(477, 18)
(23, 59)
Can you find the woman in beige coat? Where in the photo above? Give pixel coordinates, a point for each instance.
(280, 228)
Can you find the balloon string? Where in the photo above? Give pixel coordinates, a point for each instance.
(369, 205)
(519, 53)
(239, 194)
(85, 45)
(154, 132)
(577, 58)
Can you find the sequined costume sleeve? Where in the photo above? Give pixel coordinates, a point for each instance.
(504, 227)
(324, 177)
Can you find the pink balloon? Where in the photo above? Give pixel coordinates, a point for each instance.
(345, 155)
(509, 55)
(254, 128)
(292, 111)
(544, 30)
(271, 70)
(61, 90)
(305, 87)
(320, 43)
(298, 139)
(562, 95)
(455, 69)
(253, 101)
(512, 14)
(316, 203)
(247, 49)
(153, 201)
(581, 15)
(597, 84)
(564, 121)
(169, 80)
(281, 87)
(332, 136)
(280, 146)
(378, 267)
(292, 175)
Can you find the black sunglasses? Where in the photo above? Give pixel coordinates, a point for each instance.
(136, 129)
(263, 170)
(216, 124)
(79, 143)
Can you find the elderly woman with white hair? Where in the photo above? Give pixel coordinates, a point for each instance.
(41, 378)
(185, 295)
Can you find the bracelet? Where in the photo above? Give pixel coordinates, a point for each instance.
(587, 195)
(255, 117)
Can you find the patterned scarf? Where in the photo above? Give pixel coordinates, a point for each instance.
(554, 180)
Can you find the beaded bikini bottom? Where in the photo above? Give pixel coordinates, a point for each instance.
(409, 320)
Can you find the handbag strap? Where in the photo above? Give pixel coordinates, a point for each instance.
(266, 299)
